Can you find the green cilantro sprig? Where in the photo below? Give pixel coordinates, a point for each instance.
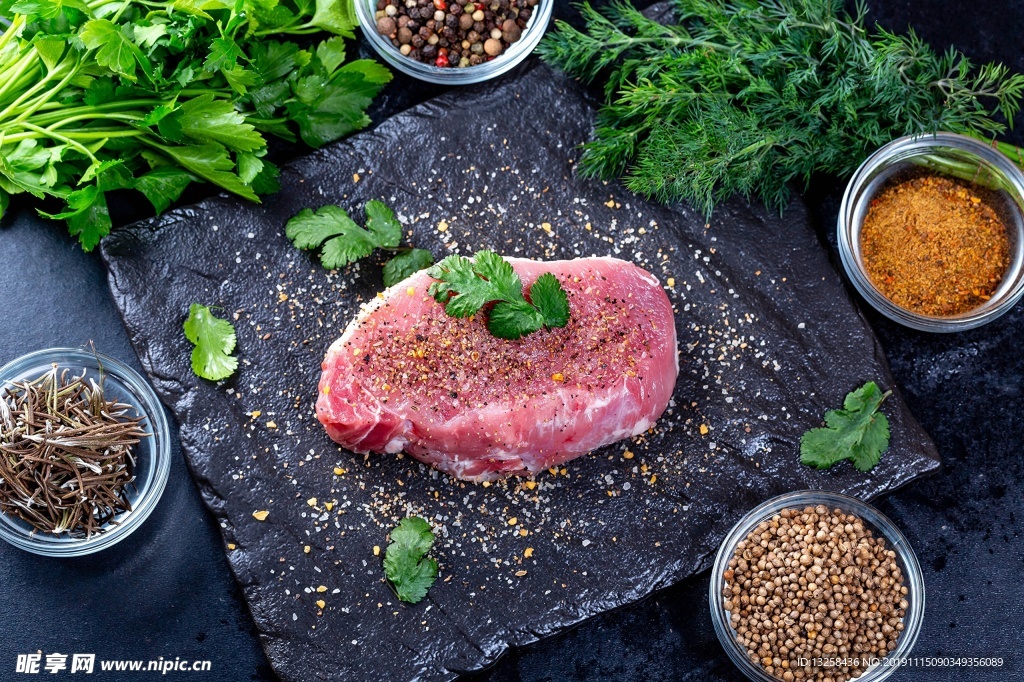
(152, 95)
(858, 432)
(345, 242)
(214, 341)
(466, 285)
(406, 565)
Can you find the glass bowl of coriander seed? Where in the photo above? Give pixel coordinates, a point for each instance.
(818, 587)
(454, 42)
(84, 451)
(931, 232)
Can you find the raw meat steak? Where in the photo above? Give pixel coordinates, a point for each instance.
(405, 376)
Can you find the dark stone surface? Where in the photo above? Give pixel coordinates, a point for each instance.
(769, 341)
(965, 523)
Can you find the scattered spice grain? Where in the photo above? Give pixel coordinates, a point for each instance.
(935, 245)
(815, 583)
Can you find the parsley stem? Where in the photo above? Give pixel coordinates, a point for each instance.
(303, 30)
(72, 72)
(17, 24)
(84, 134)
(26, 61)
(57, 136)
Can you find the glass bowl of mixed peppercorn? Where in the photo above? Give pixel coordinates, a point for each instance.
(84, 451)
(931, 232)
(815, 586)
(454, 42)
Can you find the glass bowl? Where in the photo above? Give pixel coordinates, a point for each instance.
(879, 525)
(519, 50)
(944, 153)
(152, 454)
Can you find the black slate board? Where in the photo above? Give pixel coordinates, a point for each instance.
(768, 337)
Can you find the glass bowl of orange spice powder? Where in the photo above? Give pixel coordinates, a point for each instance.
(931, 232)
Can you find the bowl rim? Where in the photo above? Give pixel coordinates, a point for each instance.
(847, 232)
(152, 411)
(532, 35)
(876, 521)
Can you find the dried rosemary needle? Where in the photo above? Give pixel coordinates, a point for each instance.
(66, 454)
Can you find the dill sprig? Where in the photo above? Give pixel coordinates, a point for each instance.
(741, 96)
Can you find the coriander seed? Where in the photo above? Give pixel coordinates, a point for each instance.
(812, 594)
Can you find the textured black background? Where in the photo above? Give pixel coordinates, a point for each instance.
(166, 591)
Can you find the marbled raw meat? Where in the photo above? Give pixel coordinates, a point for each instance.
(405, 376)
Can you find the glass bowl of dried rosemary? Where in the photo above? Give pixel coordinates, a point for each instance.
(931, 232)
(84, 451)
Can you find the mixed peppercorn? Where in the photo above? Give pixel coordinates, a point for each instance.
(453, 33)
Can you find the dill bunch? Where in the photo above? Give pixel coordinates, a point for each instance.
(741, 96)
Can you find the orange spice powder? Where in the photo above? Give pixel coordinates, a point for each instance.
(935, 245)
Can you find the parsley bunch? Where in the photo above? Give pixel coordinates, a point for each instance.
(745, 96)
(151, 95)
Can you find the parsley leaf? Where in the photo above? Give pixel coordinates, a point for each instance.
(405, 564)
(464, 286)
(548, 295)
(214, 341)
(858, 432)
(113, 48)
(405, 265)
(345, 242)
(163, 186)
(381, 221)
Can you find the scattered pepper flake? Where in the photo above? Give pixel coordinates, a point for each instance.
(260, 515)
(321, 603)
(307, 549)
(255, 414)
(528, 552)
(328, 506)
(704, 429)
(520, 574)
(355, 177)
(321, 588)
(530, 485)
(627, 455)
(338, 471)
(513, 521)
(311, 502)
(376, 550)
(232, 546)
(271, 424)
(558, 376)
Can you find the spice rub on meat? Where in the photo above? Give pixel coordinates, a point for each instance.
(405, 376)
